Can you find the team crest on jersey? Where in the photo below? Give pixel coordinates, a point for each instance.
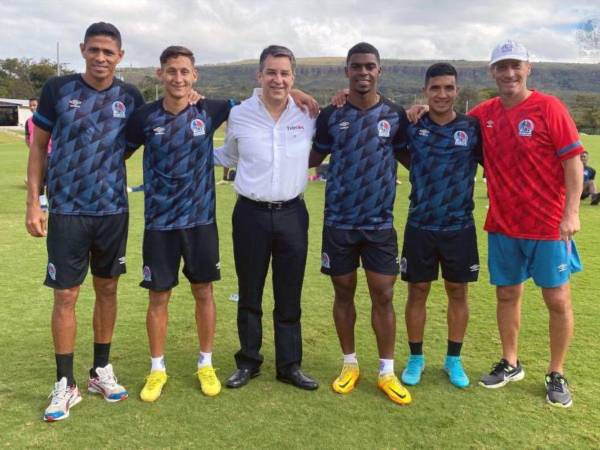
(384, 128)
(525, 127)
(197, 127)
(147, 273)
(118, 109)
(325, 263)
(461, 139)
(74, 103)
(52, 271)
(423, 132)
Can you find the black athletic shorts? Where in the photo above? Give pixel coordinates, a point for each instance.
(424, 251)
(343, 249)
(163, 250)
(77, 242)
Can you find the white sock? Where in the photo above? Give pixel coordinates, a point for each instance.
(386, 366)
(350, 358)
(158, 363)
(204, 360)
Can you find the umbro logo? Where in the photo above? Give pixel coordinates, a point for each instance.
(474, 268)
(74, 103)
(562, 267)
(158, 131)
(122, 260)
(489, 124)
(423, 132)
(344, 125)
(218, 265)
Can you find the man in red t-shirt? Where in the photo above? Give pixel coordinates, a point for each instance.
(535, 179)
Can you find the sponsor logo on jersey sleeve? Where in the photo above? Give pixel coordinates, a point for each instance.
(384, 128)
(119, 109)
(526, 128)
(198, 128)
(461, 139)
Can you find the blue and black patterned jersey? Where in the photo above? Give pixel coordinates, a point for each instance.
(86, 169)
(361, 181)
(443, 162)
(179, 184)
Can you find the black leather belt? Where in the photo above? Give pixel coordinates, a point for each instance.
(271, 205)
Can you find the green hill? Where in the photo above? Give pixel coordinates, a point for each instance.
(578, 85)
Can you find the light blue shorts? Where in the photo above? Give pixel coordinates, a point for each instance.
(511, 261)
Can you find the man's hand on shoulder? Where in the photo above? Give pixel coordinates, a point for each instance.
(415, 112)
(307, 103)
(195, 97)
(340, 98)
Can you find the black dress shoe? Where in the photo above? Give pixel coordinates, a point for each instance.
(297, 378)
(241, 377)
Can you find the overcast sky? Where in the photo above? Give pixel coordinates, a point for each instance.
(230, 30)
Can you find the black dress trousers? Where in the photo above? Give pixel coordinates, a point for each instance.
(262, 232)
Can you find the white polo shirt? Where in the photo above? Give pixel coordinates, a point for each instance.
(271, 157)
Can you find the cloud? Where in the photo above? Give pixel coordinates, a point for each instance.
(229, 30)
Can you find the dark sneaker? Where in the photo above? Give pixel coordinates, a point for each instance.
(557, 390)
(501, 374)
(595, 199)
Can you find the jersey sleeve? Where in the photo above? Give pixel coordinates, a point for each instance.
(399, 142)
(563, 131)
(218, 110)
(322, 142)
(134, 133)
(45, 115)
(592, 173)
(478, 146)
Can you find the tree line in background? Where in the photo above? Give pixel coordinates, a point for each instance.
(24, 78)
(576, 84)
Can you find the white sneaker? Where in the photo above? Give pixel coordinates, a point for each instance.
(63, 399)
(106, 385)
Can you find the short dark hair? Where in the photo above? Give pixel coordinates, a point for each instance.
(174, 51)
(103, 29)
(33, 99)
(440, 70)
(276, 51)
(363, 47)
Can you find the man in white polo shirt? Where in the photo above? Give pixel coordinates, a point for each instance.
(269, 139)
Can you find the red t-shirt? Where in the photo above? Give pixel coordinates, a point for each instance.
(523, 148)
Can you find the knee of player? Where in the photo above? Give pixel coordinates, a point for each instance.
(202, 292)
(65, 299)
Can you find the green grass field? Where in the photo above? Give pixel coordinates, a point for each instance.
(267, 413)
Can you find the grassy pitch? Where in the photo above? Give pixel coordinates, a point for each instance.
(267, 413)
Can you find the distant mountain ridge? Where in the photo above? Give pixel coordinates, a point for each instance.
(578, 85)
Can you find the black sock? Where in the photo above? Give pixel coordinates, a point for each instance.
(454, 348)
(416, 348)
(64, 367)
(101, 352)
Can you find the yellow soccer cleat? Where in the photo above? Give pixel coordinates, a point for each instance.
(393, 389)
(209, 383)
(347, 379)
(154, 386)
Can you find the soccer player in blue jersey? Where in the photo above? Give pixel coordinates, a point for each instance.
(179, 189)
(85, 114)
(362, 138)
(444, 148)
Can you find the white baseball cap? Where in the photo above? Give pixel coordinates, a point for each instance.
(509, 49)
